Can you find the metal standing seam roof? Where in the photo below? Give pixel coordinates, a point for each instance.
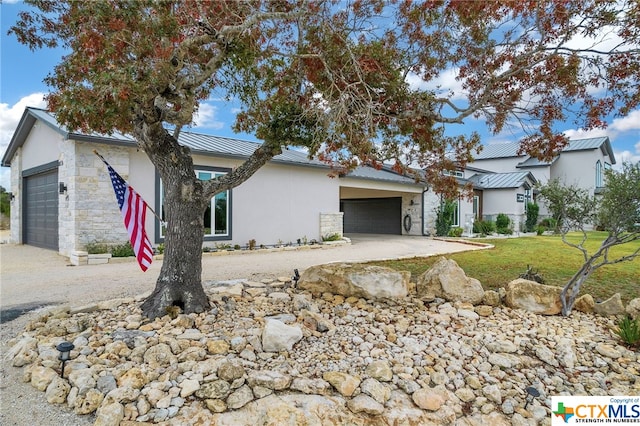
(501, 180)
(507, 150)
(371, 173)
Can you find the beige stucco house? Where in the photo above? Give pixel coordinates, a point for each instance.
(63, 198)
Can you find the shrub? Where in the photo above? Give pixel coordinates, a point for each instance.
(484, 227)
(160, 249)
(532, 217)
(549, 223)
(532, 275)
(332, 237)
(122, 250)
(96, 248)
(455, 232)
(540, 230)
(502, 224)
(444, 217)
(629, 331)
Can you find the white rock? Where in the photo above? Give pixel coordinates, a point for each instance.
(277, 336)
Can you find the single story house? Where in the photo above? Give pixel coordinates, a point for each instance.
(62, 197)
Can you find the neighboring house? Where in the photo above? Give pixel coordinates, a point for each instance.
(63, 198)
(581, 163)
(504, 181)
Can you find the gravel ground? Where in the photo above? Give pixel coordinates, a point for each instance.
(32, 278)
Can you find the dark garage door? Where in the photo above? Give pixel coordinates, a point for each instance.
(41, 210)
(372, 215)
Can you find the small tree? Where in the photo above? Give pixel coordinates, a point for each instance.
(532, 217)
(444, 218)
(617, 211)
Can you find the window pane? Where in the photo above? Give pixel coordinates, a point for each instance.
(220, 201)
(204, 175)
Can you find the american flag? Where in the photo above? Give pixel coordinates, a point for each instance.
(134, 212)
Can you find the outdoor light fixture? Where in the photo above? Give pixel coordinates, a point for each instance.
(531, 394)
(62, 188)
(296, 277)
(65, 349)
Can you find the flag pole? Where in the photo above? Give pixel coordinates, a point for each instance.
(162, 222)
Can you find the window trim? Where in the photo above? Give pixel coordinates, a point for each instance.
(198, 168)
(599, 181)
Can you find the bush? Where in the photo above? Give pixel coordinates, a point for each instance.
(540, 230)
(502, 224)
(549, 223)
(629, 331)
(484, 227)
(532, 217)
(122, 250)
(96, 248)
(455, 232)
(444, 218)
(332, 237)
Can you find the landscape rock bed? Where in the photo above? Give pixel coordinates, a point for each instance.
(339, 360)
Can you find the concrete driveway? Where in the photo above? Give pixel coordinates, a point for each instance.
(31, 277)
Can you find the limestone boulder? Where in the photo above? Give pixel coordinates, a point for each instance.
(447, 280)
(278, 336)
(611, 306)
(355, 280)
(533, 297)
(633, 308)
(584, 303)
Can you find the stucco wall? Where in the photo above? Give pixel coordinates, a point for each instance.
(498, 165)
(498, 201)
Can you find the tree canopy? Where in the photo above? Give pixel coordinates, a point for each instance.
(352, 82)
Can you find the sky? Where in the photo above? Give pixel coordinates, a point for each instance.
(21, 85)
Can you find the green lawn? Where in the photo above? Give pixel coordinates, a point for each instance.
(553, 259)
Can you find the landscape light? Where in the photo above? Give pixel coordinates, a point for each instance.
(65, 349)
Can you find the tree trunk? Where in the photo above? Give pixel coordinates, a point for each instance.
(179, 283)
(574, 285)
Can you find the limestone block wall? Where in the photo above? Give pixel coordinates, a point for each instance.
(91, 214)
(431, 203)
(16, 203)
(331, 223)
(412, 207)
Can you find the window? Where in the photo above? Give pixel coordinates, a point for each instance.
(455, 173)
(599, 174)
(217, 216)
(455, 221)
(476, 207)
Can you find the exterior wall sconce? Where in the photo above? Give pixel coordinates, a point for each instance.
(11, 196)
(65, 349)
(62, 188)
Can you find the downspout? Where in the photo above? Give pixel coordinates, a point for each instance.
(422, 213)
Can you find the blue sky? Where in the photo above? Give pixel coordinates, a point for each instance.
(21, 85)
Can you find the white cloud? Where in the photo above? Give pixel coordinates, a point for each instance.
(630, 122)
(206, 117)
(586, 134)
(446, 82)
(9, 118)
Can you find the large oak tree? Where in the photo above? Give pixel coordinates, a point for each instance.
(350, 81)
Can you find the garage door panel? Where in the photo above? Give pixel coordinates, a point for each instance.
(41, 210)
(372, 215)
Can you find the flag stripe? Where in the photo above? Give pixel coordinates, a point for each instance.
(134, 212)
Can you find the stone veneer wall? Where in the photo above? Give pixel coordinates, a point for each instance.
(331, 223)
(89, 213)
(16, 203)
(431, 204)
(414, 211)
